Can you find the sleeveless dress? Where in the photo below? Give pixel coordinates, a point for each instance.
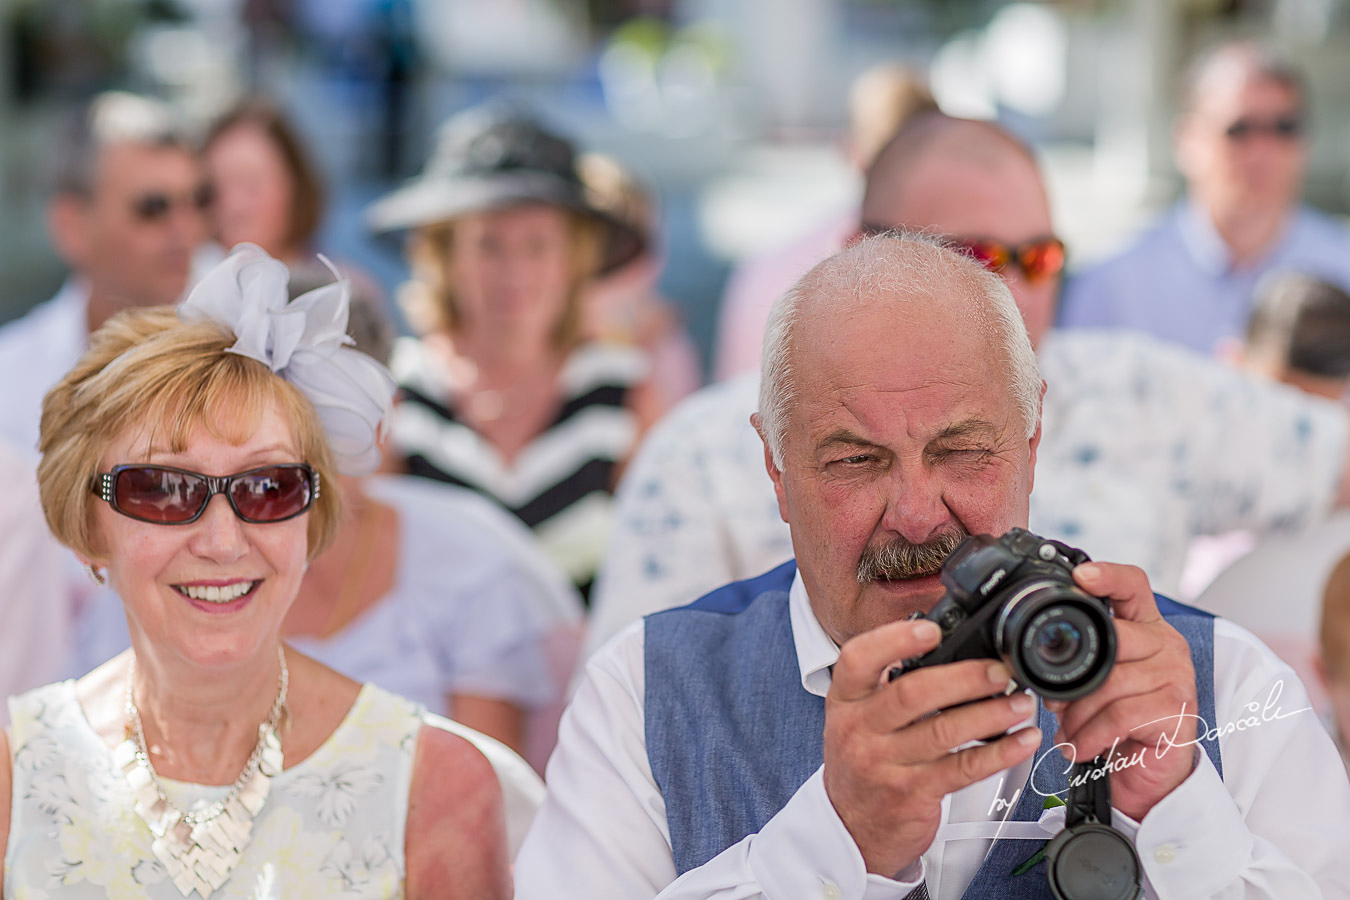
(561, 484)
(332, 825)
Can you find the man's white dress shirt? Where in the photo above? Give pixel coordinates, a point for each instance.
(35, 610)
(36, 351)
(1274, 827)
(1144, 447)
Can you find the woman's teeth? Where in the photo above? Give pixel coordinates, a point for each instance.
(213, 594)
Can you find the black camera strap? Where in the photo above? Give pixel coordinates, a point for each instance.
(1075, 556)
(1090, 860)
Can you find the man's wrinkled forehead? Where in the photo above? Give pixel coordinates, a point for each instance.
(854, 335)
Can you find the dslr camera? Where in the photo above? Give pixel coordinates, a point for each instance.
(1013, 598)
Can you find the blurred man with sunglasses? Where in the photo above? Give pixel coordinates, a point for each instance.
(1241, 144)
(127, 216)
(1145, 445)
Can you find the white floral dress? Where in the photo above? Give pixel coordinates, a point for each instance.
(332, 825)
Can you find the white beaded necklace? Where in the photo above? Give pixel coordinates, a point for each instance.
(199, 848)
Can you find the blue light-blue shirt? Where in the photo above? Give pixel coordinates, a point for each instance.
(1178, 281)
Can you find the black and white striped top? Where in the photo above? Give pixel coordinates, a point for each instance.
(561, 484)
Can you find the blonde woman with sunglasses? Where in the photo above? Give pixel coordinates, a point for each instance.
(211, 759)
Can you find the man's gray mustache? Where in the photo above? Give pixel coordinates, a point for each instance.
(902, 559)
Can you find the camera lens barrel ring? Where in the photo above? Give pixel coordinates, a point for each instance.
(1021, 621)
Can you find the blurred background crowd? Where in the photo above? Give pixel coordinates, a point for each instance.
(720, 146)
(732, 112)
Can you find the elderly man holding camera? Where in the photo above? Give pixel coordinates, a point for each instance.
(759, 744)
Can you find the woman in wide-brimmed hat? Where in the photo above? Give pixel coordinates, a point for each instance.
(503, 393)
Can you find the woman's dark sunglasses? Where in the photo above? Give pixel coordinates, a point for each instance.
(166, 496)
(1038, 259)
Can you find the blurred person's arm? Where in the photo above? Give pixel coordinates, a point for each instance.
(1343, 493)
(499, 719)
(649, 403)
(675, 361)
(493, 646)
(456, 843)
(500, 619)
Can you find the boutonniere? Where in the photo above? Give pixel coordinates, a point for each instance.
(1031, 861)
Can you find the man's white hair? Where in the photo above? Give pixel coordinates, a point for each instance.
(899, 267)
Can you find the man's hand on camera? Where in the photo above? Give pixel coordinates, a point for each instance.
(887, 767)
(1140, 705)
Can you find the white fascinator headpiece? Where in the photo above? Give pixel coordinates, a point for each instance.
(304, 341)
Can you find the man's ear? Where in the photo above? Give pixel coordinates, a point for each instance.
(771, 467)
(1036, 440)
(67, 225)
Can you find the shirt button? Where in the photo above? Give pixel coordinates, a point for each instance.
(1165, 854)
(831, 892)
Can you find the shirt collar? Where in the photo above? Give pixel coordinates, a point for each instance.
(1201, 239)
(1210, 253)
(816, 650)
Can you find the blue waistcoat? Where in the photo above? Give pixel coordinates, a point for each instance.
(732, 734)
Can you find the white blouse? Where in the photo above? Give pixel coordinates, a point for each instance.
(332, 825)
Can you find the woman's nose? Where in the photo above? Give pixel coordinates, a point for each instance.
(219, 533)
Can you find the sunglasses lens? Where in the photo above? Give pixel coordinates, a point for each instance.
(991, 255)
(272, 494)
(159, 495)
(151, 207)
(1041, 259)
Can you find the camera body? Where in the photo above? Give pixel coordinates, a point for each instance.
(1013, 598)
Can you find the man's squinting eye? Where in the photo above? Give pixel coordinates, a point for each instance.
(856, 459)
(962, 453)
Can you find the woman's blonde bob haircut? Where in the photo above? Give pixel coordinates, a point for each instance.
(147, 369)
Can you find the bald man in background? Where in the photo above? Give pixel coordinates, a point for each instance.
(880, 101)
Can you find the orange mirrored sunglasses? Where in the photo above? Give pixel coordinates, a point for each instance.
(1038, 259)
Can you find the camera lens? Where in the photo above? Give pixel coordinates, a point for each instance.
(1057, 640)
(1057, 643)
